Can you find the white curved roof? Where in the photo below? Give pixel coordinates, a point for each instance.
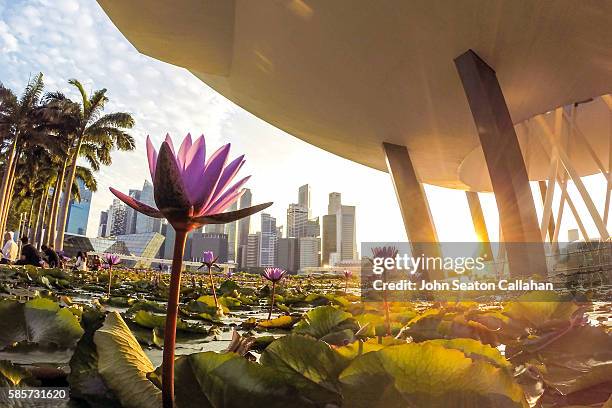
(346, 75)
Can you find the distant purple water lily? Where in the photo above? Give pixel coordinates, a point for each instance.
(110, 260)
(209, 261)
(347, 275)
(274, 275)
(189, 191)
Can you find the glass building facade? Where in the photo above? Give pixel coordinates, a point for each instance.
(78, 212)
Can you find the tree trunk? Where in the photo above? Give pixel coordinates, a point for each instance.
(57, 192)
(30, 214)
(6, 178)
(7, 197)
(62, 217)
(40, 218)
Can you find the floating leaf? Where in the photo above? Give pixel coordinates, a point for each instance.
(124, 366)
(281, 322)
(427, 375)
(323, 320)
(474, 350)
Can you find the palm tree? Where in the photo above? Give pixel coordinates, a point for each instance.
(97, 132)
(16, 120)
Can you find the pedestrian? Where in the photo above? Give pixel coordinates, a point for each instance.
(10, 250)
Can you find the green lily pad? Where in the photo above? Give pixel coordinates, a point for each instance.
(474, 350)
(324, 320)
(427, 375)
(124, 366)
(281, 322)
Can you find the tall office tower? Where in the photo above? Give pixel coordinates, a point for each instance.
(312, 228)
(334, 204)
(309, 252)
(215, 228)
(288, 254)
(231, 230)
(78, 212)
(145, 223)
(252, 250)
(116, 218)
(244, 224)
(267, 246)
(203, 241)
(347, 244)
(304, 198)
(329, 238)
(297, 216)
(130, 215)
(102, 226)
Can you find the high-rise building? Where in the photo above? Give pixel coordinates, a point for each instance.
(102, 226)
(304, 198)
(348, 239)
(252, 250)
(244, 224)
(312, 228)
(309, 249)
(78, 212)
(215, 228)
(267, 247)
(329, 239)
(116, 218)
(288, 254)
(297, 216)
(335, 202)
(131, 214)
(231, 230)
(145, 223)
(203, 241)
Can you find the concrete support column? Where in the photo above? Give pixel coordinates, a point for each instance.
(551, 221)
(480, 228)
(412, 200)
(505, 163)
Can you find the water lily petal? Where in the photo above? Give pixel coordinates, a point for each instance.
(152, 156)
(230, 216)
(210, 177)
(194, 167)
(168, 189)
(227, 202)
(183, 150)
(137, 205)
(228, 174)
(221, 201)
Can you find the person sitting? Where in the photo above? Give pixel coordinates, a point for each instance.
(81, 261)
(53, 259)
(96, 263)
(29, 254)
(10, 249)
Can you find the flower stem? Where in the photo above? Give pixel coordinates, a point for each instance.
(272, 300)
(346, 286)
(212, 285)
(110, 279)
(171, 316)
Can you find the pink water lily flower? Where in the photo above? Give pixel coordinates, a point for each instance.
(274, 274)
(112, 259)
(190, 190)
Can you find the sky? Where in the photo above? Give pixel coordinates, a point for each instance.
(75, 39)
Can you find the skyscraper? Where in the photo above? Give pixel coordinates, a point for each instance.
(145, 223)
(304, 198)
(345, 247)
(102, 227)
(78, 212)
(267, 247)
(297, 216)
(116, 218)
(231, 230)
(244, 224)
(329, 238)
(288, 254)
(309, 248)
(252, 250)
(131, 214)
(335, 202)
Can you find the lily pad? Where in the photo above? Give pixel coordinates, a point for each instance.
(281, 322)
(324, 320)
(124, 366)
(427, 375)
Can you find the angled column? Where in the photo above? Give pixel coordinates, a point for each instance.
(505, 164)
(480, 227)
(412, 200)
